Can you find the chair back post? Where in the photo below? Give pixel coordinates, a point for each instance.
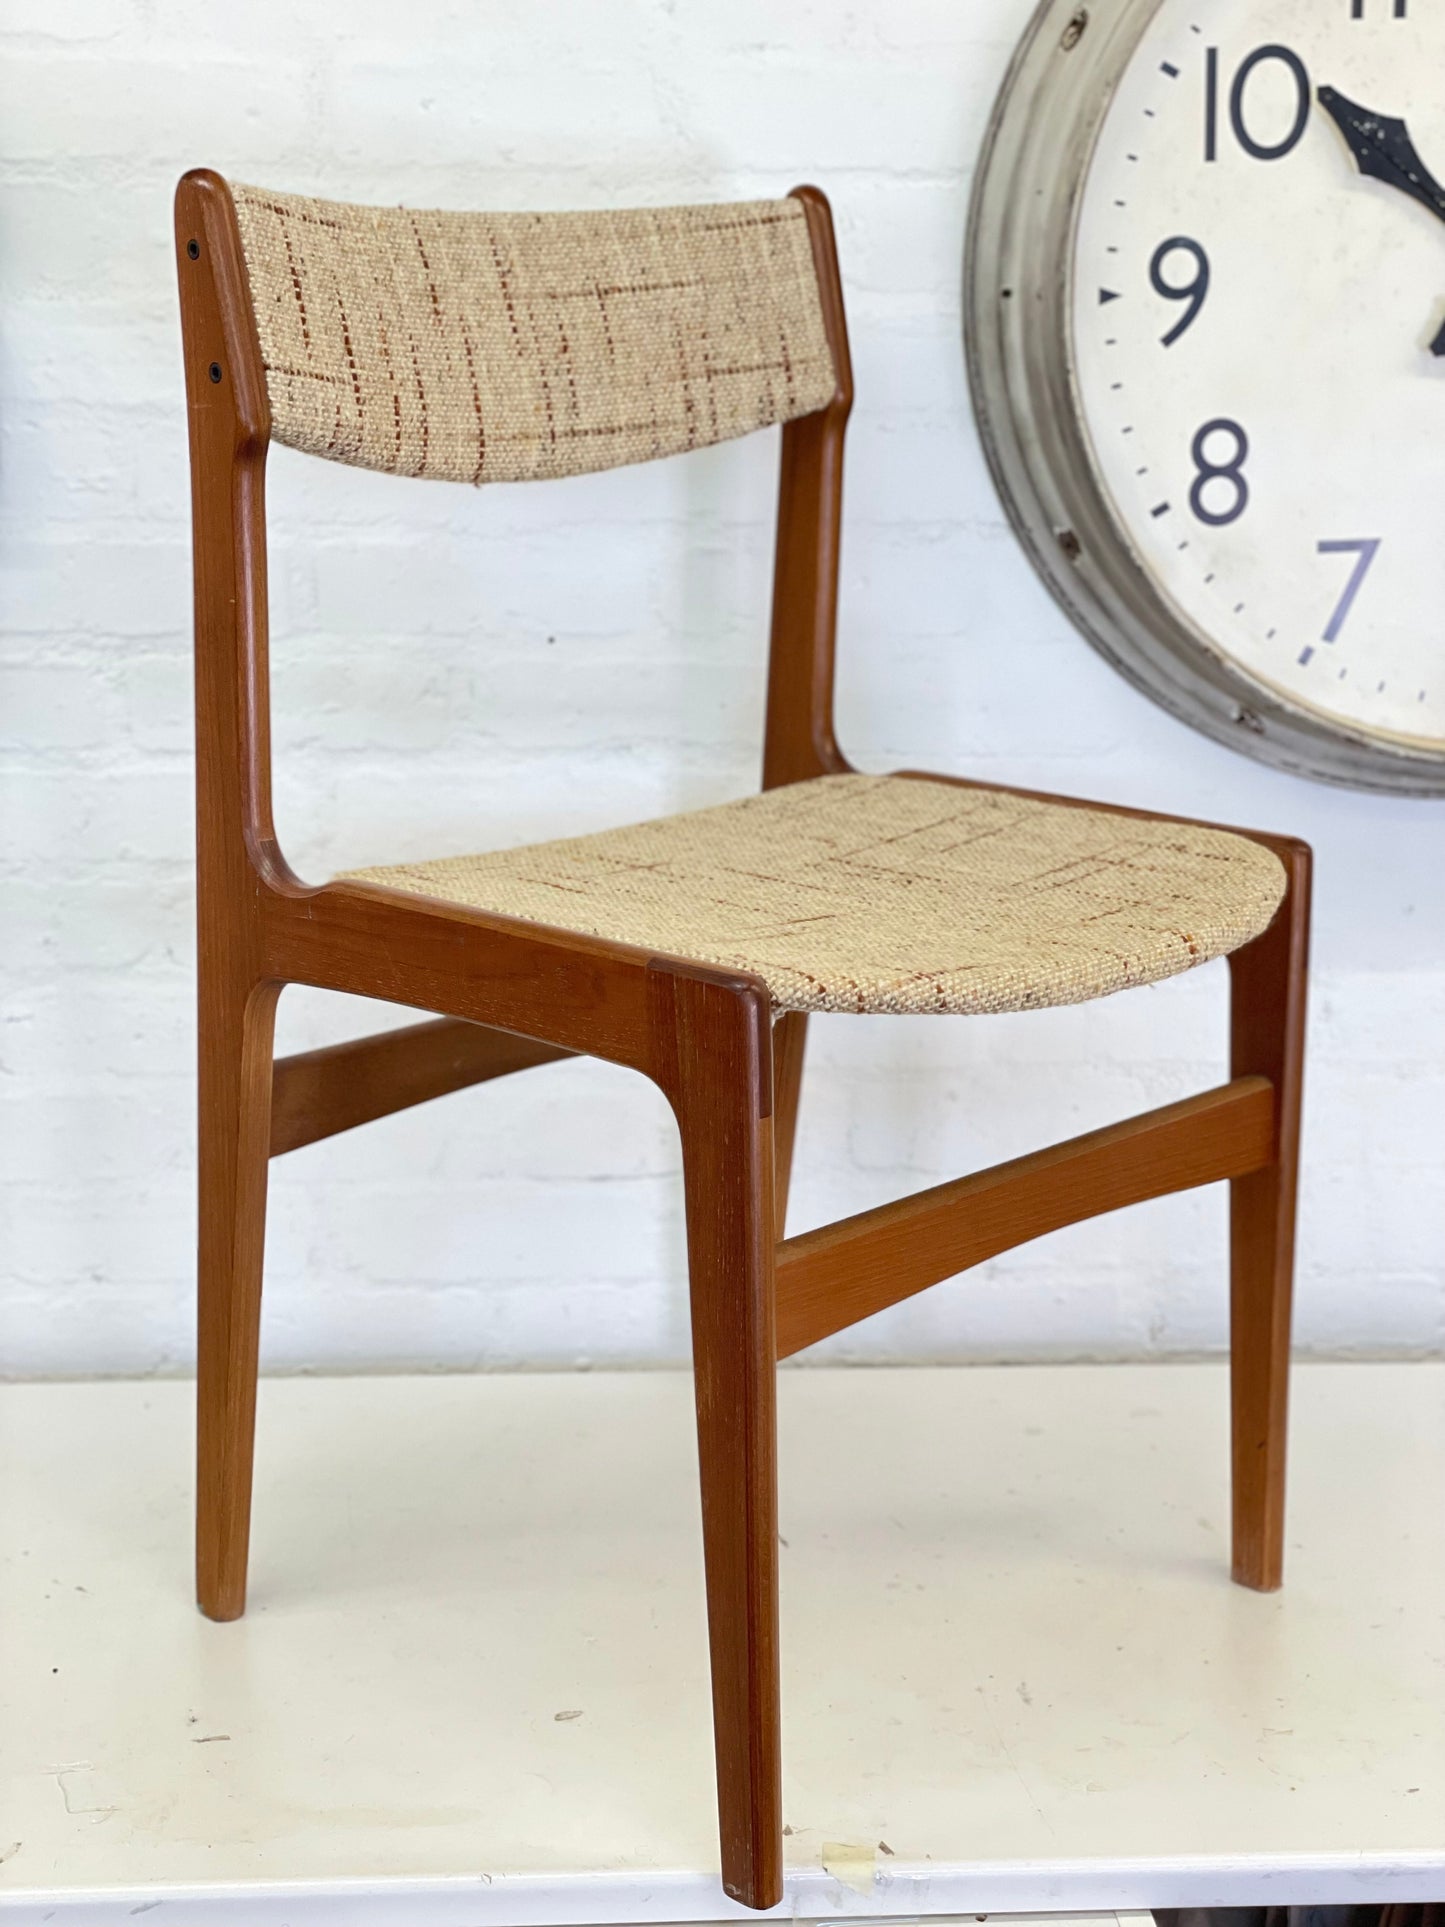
(798, 739)
(230, 431)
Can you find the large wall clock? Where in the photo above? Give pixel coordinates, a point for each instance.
(1205, 298)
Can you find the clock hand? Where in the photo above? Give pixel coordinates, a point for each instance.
(1383, 148)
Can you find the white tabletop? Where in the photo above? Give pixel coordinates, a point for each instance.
(471, 1687)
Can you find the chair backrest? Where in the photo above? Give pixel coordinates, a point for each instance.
(518, 347)
(483, 347)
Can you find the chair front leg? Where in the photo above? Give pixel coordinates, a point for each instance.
(1268, 984)
(720, 1085)
(237, 1025)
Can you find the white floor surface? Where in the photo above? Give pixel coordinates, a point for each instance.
(471, 1687)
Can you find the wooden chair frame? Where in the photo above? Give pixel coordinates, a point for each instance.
(513, 994)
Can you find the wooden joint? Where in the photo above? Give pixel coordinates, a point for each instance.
(830, 1278)
(317, 1093)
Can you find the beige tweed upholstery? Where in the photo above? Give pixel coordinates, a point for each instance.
(885, 893)
(516, 347)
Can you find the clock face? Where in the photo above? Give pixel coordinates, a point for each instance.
(1256, 341)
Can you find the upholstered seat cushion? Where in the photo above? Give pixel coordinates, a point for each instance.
(867, 893)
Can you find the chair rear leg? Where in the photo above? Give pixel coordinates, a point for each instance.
(1268, 982)
(236, 1032)
(722, 1094)
(790, 1035)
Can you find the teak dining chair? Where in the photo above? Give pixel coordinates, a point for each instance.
(475, 347)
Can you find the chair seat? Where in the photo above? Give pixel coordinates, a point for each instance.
(890, 893)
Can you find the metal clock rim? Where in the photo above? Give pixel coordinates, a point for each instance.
(1018, 344)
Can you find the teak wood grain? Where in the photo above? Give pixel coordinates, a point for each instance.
(829, 1279)
(790, 1036)
(317, 1093)
(506, 995)
(718, 1075)
(1267, 1038)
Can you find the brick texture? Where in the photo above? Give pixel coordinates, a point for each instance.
(453, 670)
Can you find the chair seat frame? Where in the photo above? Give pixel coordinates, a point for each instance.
(509, 994)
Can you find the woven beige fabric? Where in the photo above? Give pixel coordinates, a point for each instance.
(868, 893)
(515, 347)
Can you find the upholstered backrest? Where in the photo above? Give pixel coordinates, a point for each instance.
(515, 347)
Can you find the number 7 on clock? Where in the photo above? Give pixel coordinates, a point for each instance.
(1365, 550)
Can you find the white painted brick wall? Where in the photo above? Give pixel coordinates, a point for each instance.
(456, 669)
